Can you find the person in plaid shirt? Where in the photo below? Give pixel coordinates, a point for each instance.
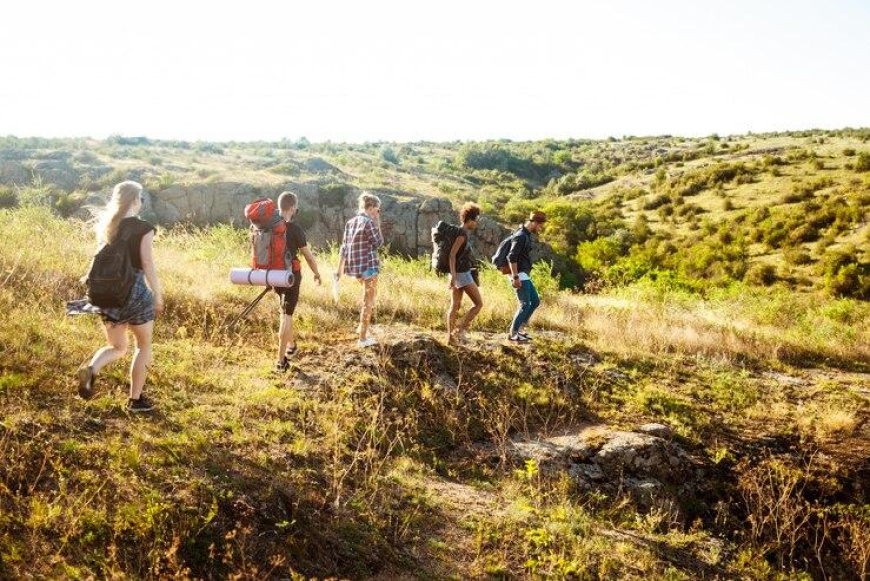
(358, 257)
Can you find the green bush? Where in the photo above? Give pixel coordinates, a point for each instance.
(862, 162)
(804, 233)
(333, 194)
(656, 202)
(596, 255)
(761, 275)
(846, 275)
(388, 155)
(797, 256)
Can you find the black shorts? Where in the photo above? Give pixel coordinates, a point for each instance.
(289, 297)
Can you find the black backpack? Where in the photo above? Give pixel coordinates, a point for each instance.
(110, 277)
(500, 258)
(443, 237)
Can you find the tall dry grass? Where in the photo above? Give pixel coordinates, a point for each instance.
(736, 323)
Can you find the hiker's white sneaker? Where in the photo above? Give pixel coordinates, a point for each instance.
(368, 342)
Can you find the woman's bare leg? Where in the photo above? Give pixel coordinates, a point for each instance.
(474, 294)
(142, 357)
(453, 312)
(370, 292)
(116, 337)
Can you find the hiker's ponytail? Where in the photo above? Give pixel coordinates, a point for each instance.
(124, 195)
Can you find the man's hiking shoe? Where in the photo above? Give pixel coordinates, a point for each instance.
(518, 339)
(86, 382)
(282, 365)
(142, 404)
(368, 342)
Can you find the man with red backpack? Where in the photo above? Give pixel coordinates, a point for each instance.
(277, 242)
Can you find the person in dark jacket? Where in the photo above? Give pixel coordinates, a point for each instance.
(520, 262)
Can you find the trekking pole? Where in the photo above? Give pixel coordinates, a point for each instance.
(248, 308)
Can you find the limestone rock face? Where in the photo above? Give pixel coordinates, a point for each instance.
(406, 220)
(325, 205)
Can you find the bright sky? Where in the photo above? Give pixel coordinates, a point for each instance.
(411, 70)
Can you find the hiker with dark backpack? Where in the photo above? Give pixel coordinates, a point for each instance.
(452, 255)
(513, 258)
(294, 244)
(117, 291)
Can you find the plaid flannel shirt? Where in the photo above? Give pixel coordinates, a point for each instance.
(360, 244)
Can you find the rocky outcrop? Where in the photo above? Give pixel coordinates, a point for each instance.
(326, 202)
(324, 208)
(19, 167)
(649, 468)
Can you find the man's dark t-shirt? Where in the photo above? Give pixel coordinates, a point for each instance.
(294, 238)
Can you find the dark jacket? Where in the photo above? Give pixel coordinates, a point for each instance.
(521, 250)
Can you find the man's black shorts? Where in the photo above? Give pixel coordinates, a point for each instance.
(289, 297)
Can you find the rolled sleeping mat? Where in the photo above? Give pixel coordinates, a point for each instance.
(261, 277)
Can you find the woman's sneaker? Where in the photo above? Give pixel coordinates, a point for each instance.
(86, 382)
(518, 338)
(524, 334)
(142, 404)
(367, 342)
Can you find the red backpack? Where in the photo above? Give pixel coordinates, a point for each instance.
(267, 235)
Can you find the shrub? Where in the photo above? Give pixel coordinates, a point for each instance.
(285, 169)
(761, 275)
(797, 256)
(862, 162)
(656, 202)
(388, 155)
(8, 197)
(849, 151)
(845, 275)
(849, 281)
(598, 254)
(770, 160)
(333, 194)
(804, 233)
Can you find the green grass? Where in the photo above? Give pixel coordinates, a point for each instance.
(330, 470)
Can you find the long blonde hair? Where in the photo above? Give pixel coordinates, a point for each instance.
(124, 195)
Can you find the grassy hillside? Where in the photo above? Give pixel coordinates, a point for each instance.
(399, 462)
(788, 209)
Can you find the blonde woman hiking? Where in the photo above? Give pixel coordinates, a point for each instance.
(119, 225)
(462, 279)
(358, 257)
